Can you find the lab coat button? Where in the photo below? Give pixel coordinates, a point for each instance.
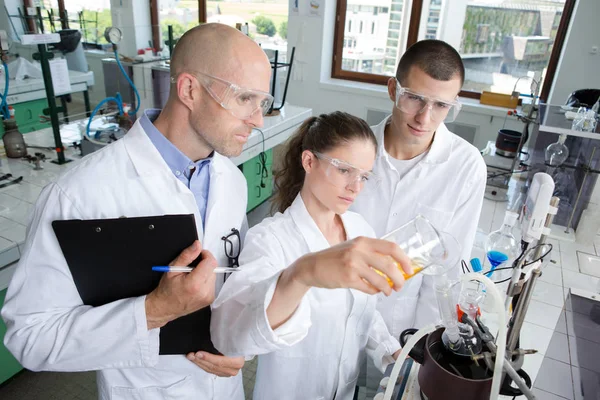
(177, 173)
(395, 214)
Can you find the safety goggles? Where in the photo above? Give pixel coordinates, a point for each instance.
(341, 174)
(412, 103)
(242, 103)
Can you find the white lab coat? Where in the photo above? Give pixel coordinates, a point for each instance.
(446, 187)
(317, 353)
(48, 326)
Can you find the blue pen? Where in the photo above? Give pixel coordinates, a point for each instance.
(170, 268)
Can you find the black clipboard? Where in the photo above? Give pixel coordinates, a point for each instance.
(112, 259)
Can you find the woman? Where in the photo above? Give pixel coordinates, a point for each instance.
(310, 331)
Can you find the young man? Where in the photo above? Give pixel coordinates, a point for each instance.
(425, 169)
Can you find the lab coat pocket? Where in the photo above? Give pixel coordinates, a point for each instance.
(438, 218)
(177, 391)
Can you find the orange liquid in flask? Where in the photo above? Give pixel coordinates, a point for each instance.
(416, 269)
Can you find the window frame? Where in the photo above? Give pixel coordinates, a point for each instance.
(154, 18)
(64, 22)
(413, 31)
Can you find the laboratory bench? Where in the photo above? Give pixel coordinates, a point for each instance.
(17, 201)
(28, 97)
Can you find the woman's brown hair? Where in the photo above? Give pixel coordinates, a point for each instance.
(319, 134)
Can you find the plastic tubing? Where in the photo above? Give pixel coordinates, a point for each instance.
(389, 391)
(116, 99)
(500, 340)
(3, 104)
(137, 95)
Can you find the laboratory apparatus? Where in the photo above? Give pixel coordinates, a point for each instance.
(461, 358)
(501, 246)
(536, 207)
(585, 120)
(108, 130)
(425, 246)
(557, 153)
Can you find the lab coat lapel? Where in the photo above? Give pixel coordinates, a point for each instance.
(151, 167)
(359, 299)
(311, 233)
(316, 241)
(217, 191)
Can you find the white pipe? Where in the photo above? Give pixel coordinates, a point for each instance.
(500, 339)
(400, 360)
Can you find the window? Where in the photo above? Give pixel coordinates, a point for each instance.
(483, 31)
(499, 42)
(181, 15)
(267, 20)
(90, 19)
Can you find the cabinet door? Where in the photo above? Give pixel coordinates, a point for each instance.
(252, 170)
(37, 108)
(8, 365)
(249, 171)
(269, 179)
(28, 114)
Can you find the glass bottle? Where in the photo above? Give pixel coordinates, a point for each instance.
(501, 245)
(557, 153)
(14, 144)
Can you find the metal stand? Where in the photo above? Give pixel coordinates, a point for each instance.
(275, 64)
(44, 56)
(501, 193)
(171, 42)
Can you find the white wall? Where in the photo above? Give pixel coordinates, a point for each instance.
(133, 18)
(578, 68)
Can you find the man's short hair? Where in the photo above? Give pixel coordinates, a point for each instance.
(434, 57)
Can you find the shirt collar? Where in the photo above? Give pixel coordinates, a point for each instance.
(439, 151)
(178, 162)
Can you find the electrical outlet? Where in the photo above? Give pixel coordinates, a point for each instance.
(594, 50)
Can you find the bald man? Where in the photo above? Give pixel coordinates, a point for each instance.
(172, 161)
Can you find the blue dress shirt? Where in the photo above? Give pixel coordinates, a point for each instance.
(194, 175)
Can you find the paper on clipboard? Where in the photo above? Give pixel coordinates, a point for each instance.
(60, 76)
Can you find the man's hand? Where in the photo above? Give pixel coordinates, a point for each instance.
(217, 365)
(181, 293)
(351, 264)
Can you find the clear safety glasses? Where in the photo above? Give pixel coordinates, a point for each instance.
(242, 103)
(412, 103)
(342, 174)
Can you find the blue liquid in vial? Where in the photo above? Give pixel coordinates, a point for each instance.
(496, 258)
